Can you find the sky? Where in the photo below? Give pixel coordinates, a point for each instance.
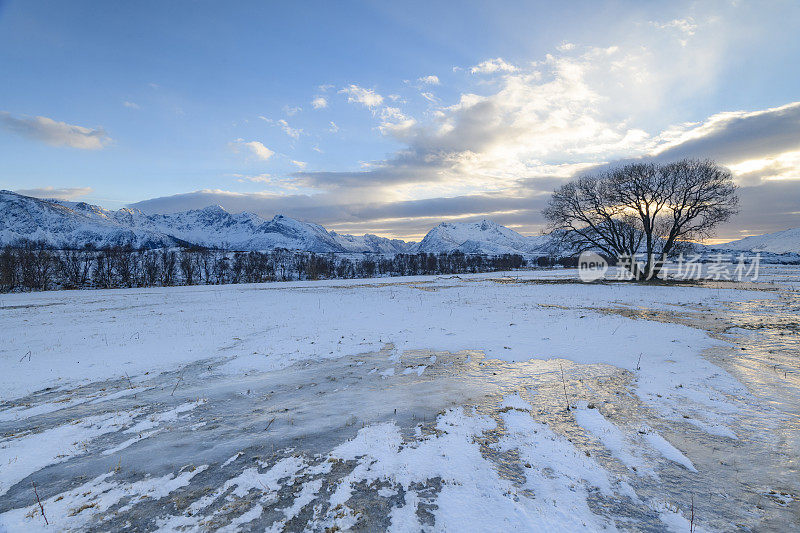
(391, 117)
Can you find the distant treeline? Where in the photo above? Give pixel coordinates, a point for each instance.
(34, 266)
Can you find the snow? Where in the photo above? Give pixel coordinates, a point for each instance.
(472, 496)
(251, 479)
(374, 244)
(73, 511)
(613, 439)
(145, 428)
(96, 335)
(780, 242)
(21, 455)
(559, 474)
(425, 403)
(667, 450)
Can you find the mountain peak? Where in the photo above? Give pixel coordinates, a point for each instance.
(485, 236)
(214, 210)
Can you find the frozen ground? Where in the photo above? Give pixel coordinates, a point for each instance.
(435, 403)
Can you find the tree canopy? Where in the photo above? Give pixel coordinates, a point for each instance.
(649, 209)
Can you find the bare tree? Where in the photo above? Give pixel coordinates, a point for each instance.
(27, 269)
(188, 267)
(75, 267)
(220, 268)
(168, 260)
(237, 267)
(643, 208)
(206, 265)
(280, 257)
(104, 270)
(44, 263)
(137, 267)
(8, 269)
(122, 259)
(151, 268)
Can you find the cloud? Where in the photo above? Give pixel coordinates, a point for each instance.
(499, 150)
(765, 208)
(55, 133)
(366, 97)
(465, 150)
(284, 125)
(259, 178)
(429, 97)
(545, 120)
(783, 166)
(58, 193)
(276, 186)
(686, 26)
(132, 105)
(288, 130)
(736, 136)
(429, 80)
(402, 219)
(254, 147)
(319, 102)
(298, 164)
(291, 110)
(490, 66)
(394, 122)
(301, 206)
(333, 128)
(541, 127)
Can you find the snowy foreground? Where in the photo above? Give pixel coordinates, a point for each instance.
(490, 402)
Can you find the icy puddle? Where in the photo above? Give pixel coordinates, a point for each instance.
(433, 440)
(377, 441)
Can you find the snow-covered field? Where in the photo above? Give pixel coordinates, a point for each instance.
(483, 402)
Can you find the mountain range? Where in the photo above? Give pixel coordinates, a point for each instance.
(64, 224)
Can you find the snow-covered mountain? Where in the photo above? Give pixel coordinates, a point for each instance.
(780, 242)
(374, 244)
(23, 217)
(75, 224)
(214, 227)
(485, 237)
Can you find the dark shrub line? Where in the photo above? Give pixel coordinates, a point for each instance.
(33, 266)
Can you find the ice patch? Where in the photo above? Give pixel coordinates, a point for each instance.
(23, 455)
